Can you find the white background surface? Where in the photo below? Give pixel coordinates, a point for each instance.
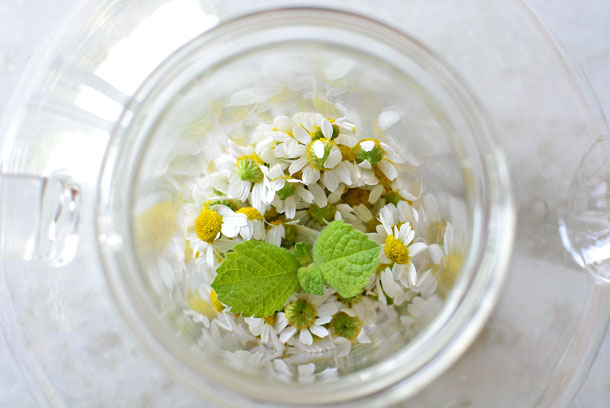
(583, 27)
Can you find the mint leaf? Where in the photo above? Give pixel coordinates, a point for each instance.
(311, 279)
(345, 257)
(302, 250)
(256, 278)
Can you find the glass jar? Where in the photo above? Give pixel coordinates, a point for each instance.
(88, 293)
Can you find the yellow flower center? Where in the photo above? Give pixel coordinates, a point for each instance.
(208, 225)
(251, 212)
(436, 231)
(201, 306)
(215, 302)
(355, 196)
(346, 153)
(383, 180)
(451, 271)
(396, 250)
(155, 227)
(371, 226)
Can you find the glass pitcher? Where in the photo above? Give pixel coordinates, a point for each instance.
(85, 318)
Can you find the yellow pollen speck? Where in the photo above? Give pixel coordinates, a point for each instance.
(215, 302)
(396, 250)
(155, 227)
(251, 212)
(270, 319)
(208, 225)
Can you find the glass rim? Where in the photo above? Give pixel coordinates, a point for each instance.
(445, 339)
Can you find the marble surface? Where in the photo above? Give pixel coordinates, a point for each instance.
(581, 27)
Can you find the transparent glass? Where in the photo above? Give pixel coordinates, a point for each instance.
(302, 53)
(73, 327)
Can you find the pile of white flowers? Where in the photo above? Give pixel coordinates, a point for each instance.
(283, 185)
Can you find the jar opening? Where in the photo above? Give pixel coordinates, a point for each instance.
(249, 72)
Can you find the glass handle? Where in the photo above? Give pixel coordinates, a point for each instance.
(585, 225)
(39, 217)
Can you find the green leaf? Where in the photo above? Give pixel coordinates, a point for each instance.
(302, 251)
(345, 257)
(256, 278)
(311, 279)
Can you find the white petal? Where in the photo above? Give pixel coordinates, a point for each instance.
(330, 180)
(368, 177)
(335, 196)
(287, 333)
(294, 149)
(318, 149)
(239, 188)
(343, 172)
(328, 309)
(319, 331)
(390, 286)
(290, 207)
(436, 253)
(306, 369)
(375, 193)
(323, 320)
(388, 169)
(304, 194)
(258, 230)
(327, 128)
(280, 322)
(301, 135)
(282, 123)
(257, 196)
(305, 337)
(297, 165)
(334, 158)
(365, 164)
(280, 136)
(417, 248)
(422, 278)
(275, 172)
(246, 232)
(363, 338)
(275, 235)
(310, 175)
(367, 145)
(412, 274)
(343, 345)
(319, 197)
(363, 213)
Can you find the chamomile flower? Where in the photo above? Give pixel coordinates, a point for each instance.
(266, 329)
(306, 315)
(349, 327)
(290, 195)
(248, 176)
(398, 248)
(320, 155)
(255, 224)
(279, 230)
